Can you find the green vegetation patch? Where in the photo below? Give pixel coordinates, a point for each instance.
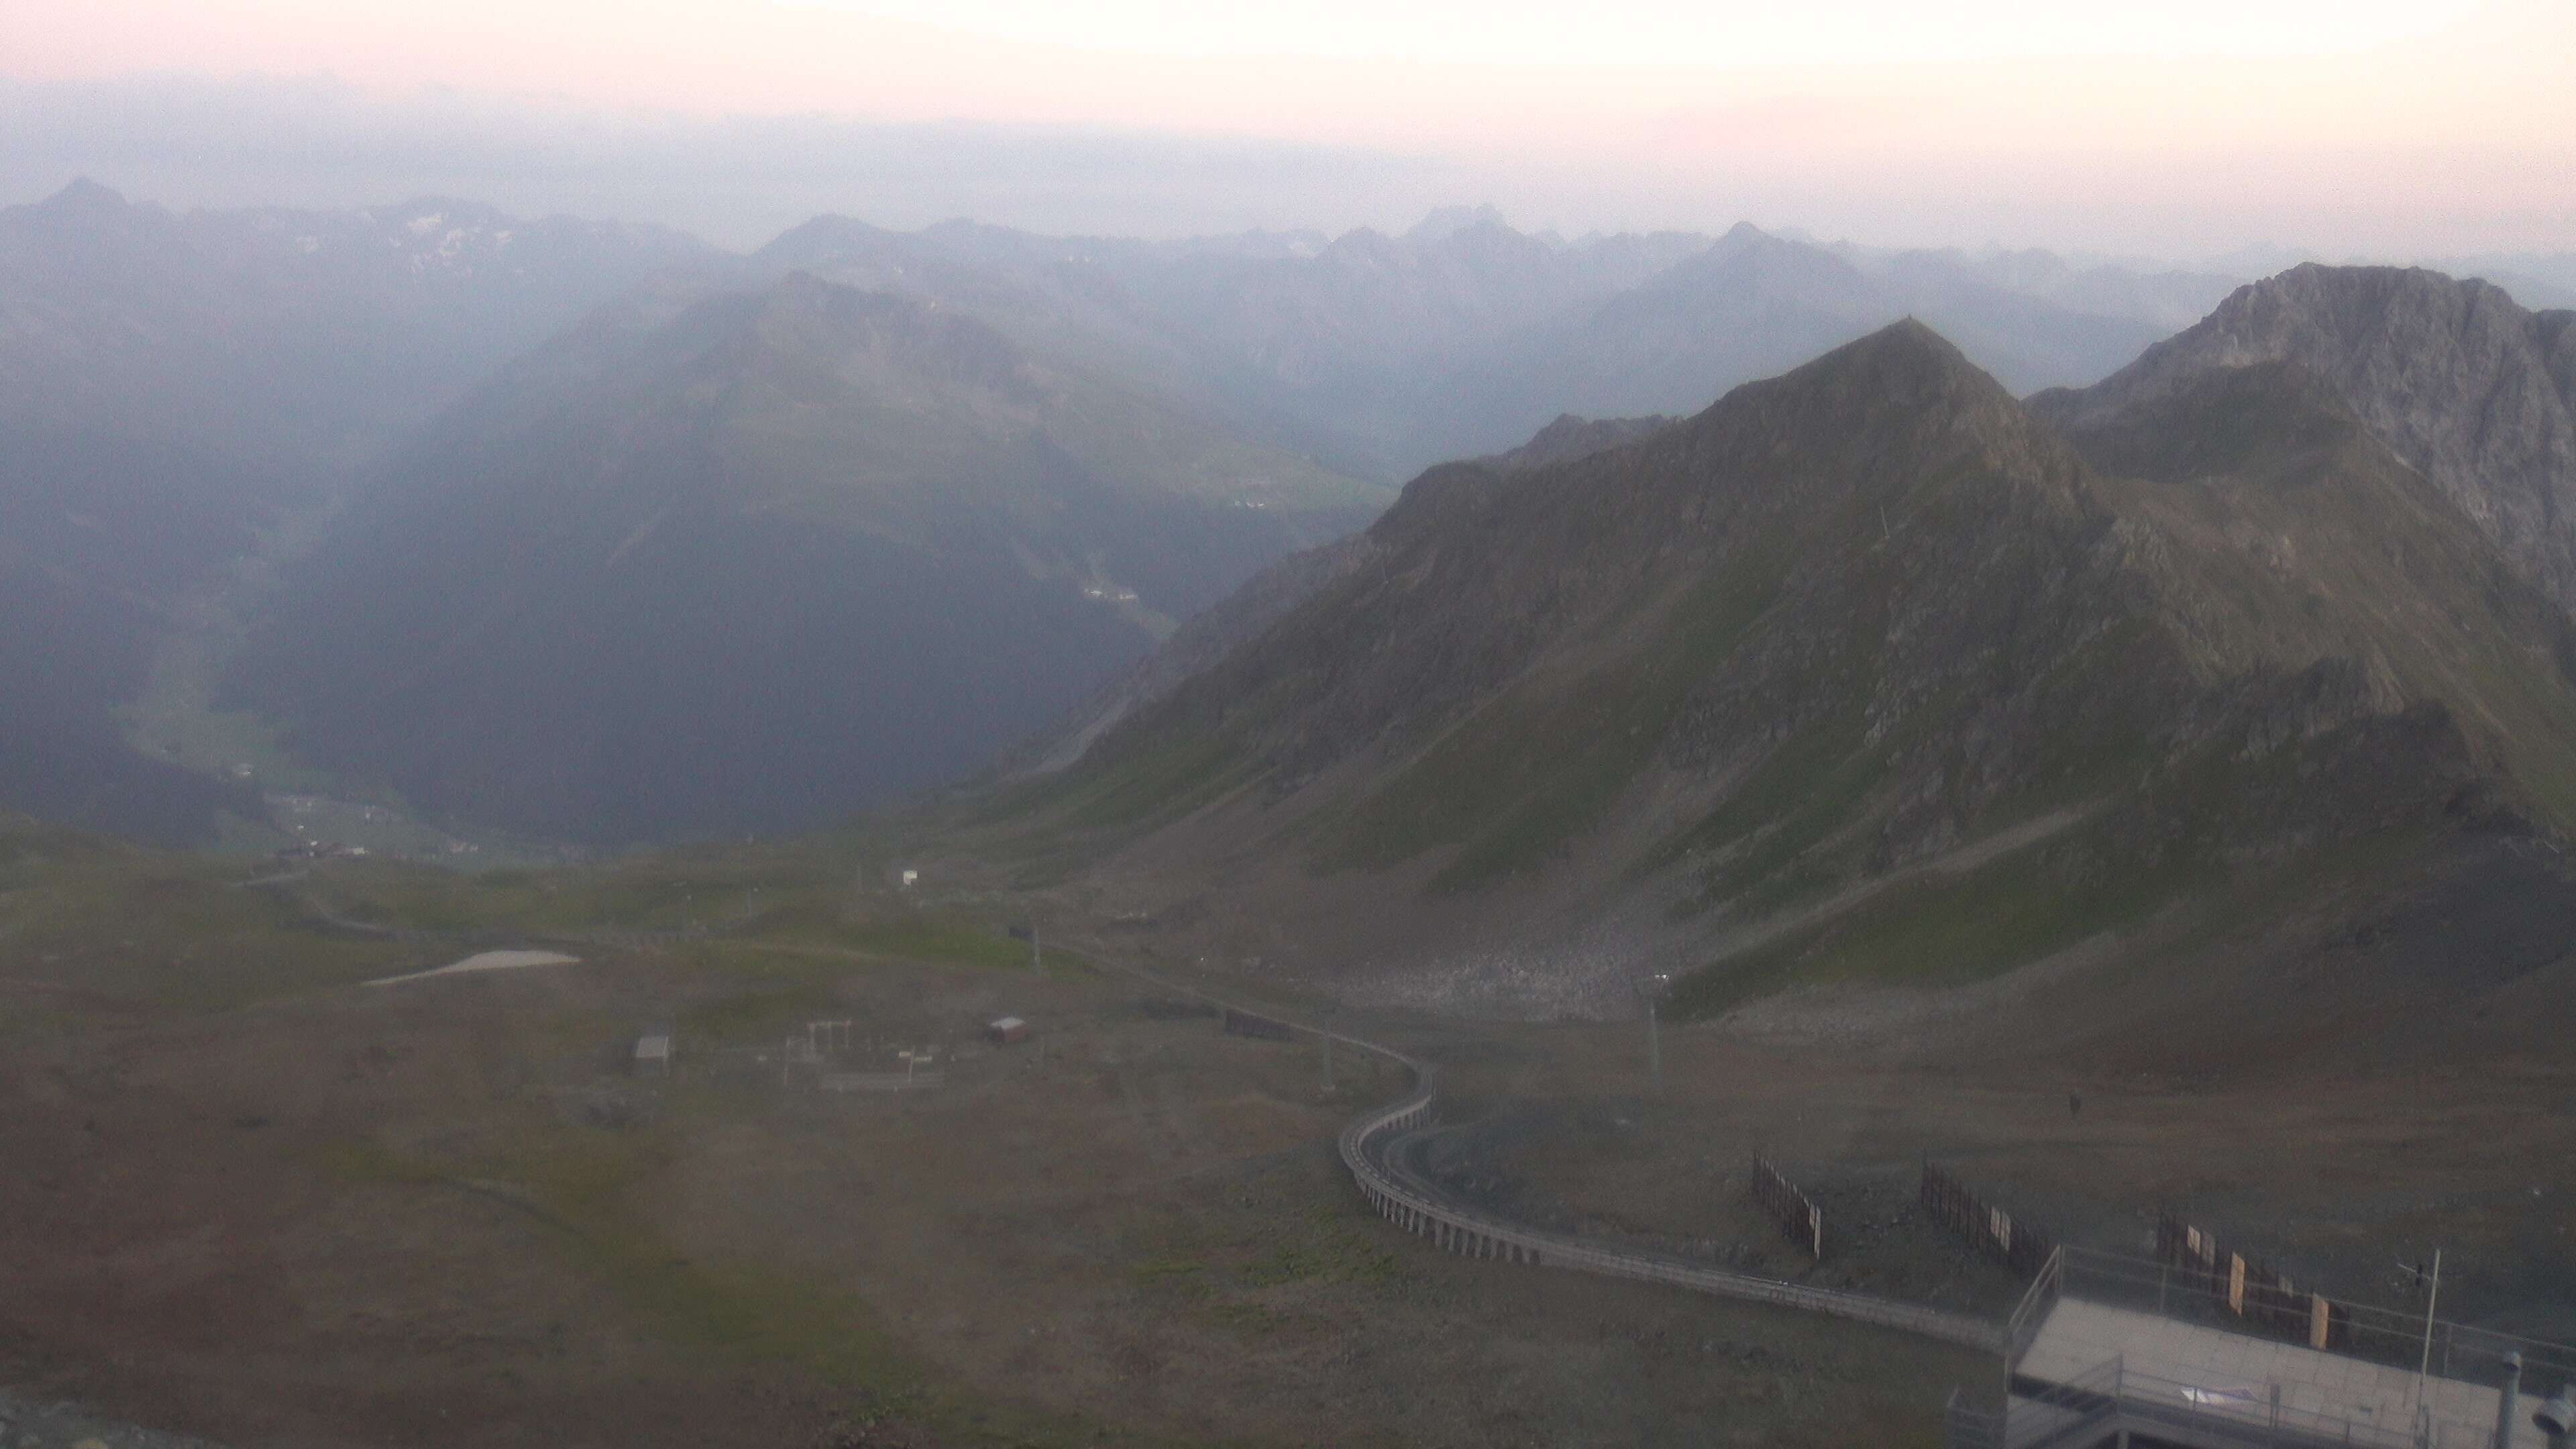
(1511, 784)
(2215, 826)
(939, 939)
(1940, 931)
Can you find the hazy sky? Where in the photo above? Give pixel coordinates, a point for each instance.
(2184, 127)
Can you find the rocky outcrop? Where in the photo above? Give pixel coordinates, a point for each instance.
(1571, 437)
(2469, 389)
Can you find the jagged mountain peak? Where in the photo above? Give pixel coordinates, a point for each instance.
(1910, 359)
(84, 196)
(822, 240)
(1751, 262)
(1570, 436)
(2463, 384)
(1903, 388)
(2333, 316)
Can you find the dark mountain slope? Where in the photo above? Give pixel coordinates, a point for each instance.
(758, 560)
(1208, 636)
(173, 385)
(97, 546)
(1728, 694)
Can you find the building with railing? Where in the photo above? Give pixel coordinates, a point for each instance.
(2112, 1350)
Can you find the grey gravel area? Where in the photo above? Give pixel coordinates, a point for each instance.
(26, 1424)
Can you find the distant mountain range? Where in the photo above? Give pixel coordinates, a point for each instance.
(172, 386)
(1871, 663)
(756, 560)
(630, 539)
(1383, 354)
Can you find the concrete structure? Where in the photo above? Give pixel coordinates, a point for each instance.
(2104, 1351)
(653, 1054)
(2110, 1350)
(1007, 1030)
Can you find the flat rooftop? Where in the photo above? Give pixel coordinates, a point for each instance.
(2214, 1373)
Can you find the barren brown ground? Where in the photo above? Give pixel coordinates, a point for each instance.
(2338, 1176)
(246, 1199)
(439, 1213)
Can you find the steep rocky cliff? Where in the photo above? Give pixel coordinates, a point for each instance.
(2469, 389)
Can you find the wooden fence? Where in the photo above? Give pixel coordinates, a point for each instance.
(1795, 1212)
(2247, 1288)
(1991, 1230)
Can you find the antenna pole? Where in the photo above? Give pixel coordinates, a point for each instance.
(1654, 1046)
(2431, 1297)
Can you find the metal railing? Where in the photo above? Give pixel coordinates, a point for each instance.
(1407, 1198)
(2119, 1393)
(2064, 1413)
(2189, 1406)
(2032, 1311)
(2393, 1337)
(1968, 1427)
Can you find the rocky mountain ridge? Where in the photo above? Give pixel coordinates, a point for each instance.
(2464, 385)
(1716, 701)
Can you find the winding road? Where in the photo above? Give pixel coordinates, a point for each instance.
(1378, 1149)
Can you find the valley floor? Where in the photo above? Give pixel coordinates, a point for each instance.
(449, 1210)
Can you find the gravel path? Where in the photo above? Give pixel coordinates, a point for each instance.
(28, 1425)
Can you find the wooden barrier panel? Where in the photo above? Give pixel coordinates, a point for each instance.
(1796, 1213)
(1990, 1229)
(2247, 1287)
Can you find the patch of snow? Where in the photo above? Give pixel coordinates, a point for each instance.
(486, 961)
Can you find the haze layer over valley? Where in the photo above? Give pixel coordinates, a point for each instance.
(449, 520)
(1465, 725)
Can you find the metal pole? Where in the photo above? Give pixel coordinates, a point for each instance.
(1654, 1047)
(1328, 1063)
(2432, 1296)
(2505, 1403)
(1037, 956)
